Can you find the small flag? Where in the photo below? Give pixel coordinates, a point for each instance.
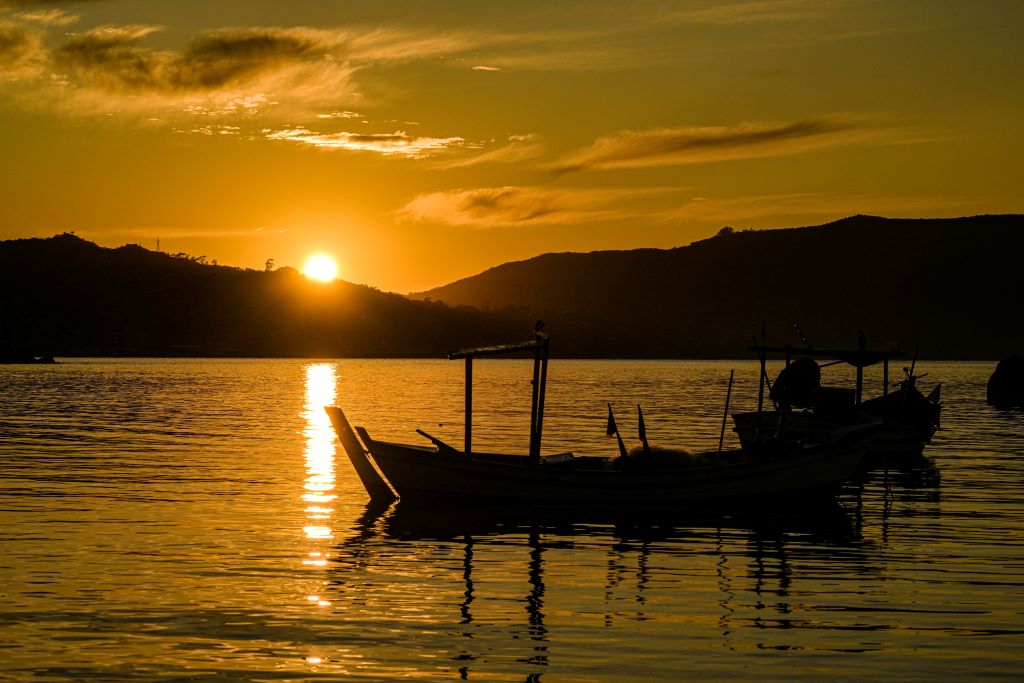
(622, 446)
(613, 430)
(936, 394)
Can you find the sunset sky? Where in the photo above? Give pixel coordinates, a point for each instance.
(421, 142)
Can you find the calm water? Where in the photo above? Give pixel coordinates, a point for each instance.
(196, 520)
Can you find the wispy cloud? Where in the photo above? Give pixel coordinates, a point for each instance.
(340, 115)
(41, 3)
(518, 148)
(213, 129)
(397, 44)
(754, 11)
(398, 143)
(20, 51)
(668, 146)
(49, 17)
(490, 207)
(111, 58)
(113, 69)
(482, 67)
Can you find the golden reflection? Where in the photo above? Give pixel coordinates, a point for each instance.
(321, 380)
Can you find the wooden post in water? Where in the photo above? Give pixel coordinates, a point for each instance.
(469, 405)
(725, 416)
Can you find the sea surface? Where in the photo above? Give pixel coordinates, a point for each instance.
(197, 520)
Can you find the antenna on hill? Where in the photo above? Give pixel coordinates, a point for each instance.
(158, 244)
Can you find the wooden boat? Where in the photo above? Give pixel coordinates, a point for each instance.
(905, 418)
(779, 470)
(8, 357)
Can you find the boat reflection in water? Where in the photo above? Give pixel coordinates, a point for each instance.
(487, 578)
(508, 591)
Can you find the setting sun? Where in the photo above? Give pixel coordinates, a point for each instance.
(320, 267)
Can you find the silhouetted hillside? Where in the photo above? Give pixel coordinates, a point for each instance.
(952, 285)
(66, 296)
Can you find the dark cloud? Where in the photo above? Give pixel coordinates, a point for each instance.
(665, 146)
(225, 57)
(111, 58)
(19, 50)
(15, 43)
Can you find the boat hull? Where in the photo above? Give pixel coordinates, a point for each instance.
(803, 472)
(890, 438)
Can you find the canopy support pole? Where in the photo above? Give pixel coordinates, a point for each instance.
(860, 383)
(885, 377)
(469, 405)
(725, 417)
(761, 357)
(541, 391)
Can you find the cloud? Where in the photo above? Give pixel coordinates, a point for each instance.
(525, 206)
(482, 67)
(299, 70)
(20, 51)
(398, 143)
(40, 3)
(340, 115)
(223, 72)
(394, 45)
(215, 130)
(669, 146)
(110, 57)
(755, 11)
(518, 148)
(49, 17)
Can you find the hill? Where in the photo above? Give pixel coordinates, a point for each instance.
(952, 285)
(65, 296)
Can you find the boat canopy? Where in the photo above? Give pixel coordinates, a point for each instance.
(539, 346)
(858, 358)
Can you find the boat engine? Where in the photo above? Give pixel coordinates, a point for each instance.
(1006, 385)
(797, 383)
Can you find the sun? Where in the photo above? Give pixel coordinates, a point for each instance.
(320, 267)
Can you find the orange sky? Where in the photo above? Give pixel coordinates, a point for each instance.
(423, 142)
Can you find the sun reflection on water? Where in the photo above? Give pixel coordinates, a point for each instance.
(321, 380)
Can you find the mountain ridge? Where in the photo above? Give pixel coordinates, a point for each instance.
(65, 296)
(857, 273)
